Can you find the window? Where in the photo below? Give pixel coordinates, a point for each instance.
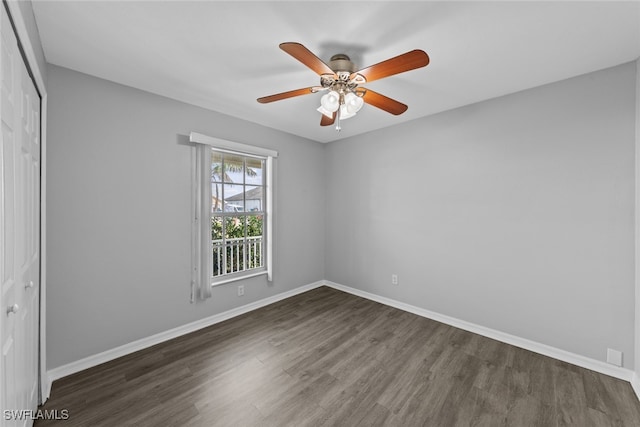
(232, 213)
(237, 213)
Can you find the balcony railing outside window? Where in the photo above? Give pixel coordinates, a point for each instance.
(236, 254)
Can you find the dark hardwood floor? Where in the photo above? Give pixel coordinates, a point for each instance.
(327, 358)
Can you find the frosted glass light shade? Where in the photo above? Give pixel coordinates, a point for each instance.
(325, 112)
(345, 113)
(330, 101)
(353, 102)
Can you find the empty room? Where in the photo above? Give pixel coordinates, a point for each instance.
(320, 213)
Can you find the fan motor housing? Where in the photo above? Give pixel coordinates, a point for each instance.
(342, 62)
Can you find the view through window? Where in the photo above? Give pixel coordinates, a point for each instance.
(237, 213)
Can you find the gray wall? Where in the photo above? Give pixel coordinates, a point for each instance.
(516, 214)
(118, 247)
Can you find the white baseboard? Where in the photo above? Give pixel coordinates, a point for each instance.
(546, 350)
(635, 383)
(123, 350)
(576, 359)
(45, 387)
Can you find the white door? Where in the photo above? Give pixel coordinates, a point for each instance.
(19, 232)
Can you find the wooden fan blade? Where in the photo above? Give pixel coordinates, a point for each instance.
(326, 121)
(285, 95)
(384, 103)
(399, 64)
(307, 57)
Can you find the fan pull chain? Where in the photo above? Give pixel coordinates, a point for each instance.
(338, 127)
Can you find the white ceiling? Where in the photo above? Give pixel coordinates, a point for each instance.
(224, 55)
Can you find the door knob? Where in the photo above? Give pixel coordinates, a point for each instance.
(29, 284)
(13, 309)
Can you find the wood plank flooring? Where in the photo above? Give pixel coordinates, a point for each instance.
(327, 358)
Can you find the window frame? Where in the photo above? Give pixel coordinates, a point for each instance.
(224, 214)
(235, 148)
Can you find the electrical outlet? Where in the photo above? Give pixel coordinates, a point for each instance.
(614, 357)
(394, 279)
(240, 290)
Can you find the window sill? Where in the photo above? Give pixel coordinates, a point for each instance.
(234, 278)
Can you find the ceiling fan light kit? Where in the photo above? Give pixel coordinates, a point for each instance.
(346, 96)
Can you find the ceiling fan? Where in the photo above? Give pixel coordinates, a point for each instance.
(346, 96)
